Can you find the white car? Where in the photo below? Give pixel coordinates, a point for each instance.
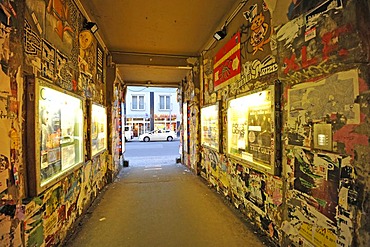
(158, 135)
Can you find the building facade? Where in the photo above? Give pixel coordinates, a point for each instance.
(149, 108)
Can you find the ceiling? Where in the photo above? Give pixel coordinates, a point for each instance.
(155, 41)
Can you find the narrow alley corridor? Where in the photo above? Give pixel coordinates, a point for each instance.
(162, 205)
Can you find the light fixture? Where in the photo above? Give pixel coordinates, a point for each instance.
(91, 26)
(220, 34)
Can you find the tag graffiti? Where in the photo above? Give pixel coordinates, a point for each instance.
(257, 68)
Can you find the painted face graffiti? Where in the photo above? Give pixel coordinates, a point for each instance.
(259, 32)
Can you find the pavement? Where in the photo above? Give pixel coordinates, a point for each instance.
(162, 205)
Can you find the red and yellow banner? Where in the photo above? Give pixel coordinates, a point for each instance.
(226, 68)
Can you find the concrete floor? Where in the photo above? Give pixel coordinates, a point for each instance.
(162, 206)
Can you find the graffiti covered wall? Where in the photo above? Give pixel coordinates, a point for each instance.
(320, 65)
(318, 50)
(48, 36)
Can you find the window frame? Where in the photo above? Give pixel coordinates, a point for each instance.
(137, 102)
(165, 96)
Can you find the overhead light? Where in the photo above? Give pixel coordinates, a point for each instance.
(184, 67)
(220, 34)
(91, 26)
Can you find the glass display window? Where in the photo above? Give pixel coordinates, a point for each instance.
(98, 129)
(251, 135)
(55, 137)
(210, 126)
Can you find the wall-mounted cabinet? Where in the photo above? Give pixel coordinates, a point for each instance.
(251, 124)
(210, 126)
(55, 137)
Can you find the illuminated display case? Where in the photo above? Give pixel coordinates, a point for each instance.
(98, 129)
(251, 124)
(210, 134)
(55, 137)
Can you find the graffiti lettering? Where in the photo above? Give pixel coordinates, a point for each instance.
(290, 64)
(269, 69)
(330, 42)
(256, 68)
(312, 72)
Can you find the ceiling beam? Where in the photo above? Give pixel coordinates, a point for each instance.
(119, 57)
(153, 84)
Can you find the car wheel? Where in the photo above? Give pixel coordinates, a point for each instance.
(146, 139)
(126, 139)
(170, 138)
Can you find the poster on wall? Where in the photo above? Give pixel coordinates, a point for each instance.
(259, 132)
(226, 68)
(316, 176)
(250, 129)
(336, 93)
(185, 124)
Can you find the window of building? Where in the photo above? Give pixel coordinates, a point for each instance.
(164, 102)
(137, 102)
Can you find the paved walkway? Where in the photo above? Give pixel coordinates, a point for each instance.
(162, 205)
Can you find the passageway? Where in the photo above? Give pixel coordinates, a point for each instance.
(162, 205)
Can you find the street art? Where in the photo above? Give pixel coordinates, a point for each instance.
(256, 68)
(330, 47)
(259, 28)
(99, 64)
(48, 61)
(87, 57)
(7, 14)
(60, 11)
(226, 67)
(256, 35)
(63, 73)
(32, 41)
(314, 48)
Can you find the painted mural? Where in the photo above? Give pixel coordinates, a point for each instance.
(257, 44)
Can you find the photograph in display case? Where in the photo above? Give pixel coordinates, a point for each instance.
(98, 129)
(210, 134)
(55, 136)
(250, 129)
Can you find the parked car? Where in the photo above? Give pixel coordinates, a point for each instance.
(158, 135)
(129, 135)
